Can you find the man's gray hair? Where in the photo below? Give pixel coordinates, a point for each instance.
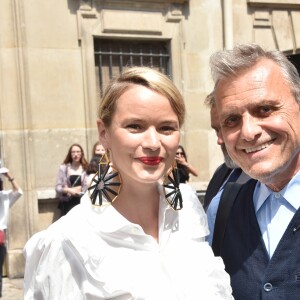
(229, 63)
(210, 100)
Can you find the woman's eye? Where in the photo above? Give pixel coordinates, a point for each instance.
(133, 127)
(167, 129)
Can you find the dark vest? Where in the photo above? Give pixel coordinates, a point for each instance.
(253, 275)
(215, 183)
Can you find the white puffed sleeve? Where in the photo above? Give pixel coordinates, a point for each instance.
(47, 271)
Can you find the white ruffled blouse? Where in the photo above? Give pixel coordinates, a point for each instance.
(95, 253)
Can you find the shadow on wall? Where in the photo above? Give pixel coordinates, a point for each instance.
(48, 212)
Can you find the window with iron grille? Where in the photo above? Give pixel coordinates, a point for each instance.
(113, 56)
(295, 59)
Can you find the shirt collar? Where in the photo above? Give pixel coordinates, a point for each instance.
(289, 193)
(261, 193)
(111, 220)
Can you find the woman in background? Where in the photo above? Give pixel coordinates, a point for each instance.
(98, 149)
(184, 168)
(71, 179)
(92, 169)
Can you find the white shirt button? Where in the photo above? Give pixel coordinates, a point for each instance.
(277, 195)
(135, 230)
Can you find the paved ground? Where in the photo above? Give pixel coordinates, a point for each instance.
(12, 289)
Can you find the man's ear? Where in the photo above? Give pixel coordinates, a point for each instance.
(103, 134)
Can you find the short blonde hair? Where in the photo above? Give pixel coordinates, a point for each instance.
(144, 76)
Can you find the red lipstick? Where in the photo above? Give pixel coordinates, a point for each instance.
(150, 160)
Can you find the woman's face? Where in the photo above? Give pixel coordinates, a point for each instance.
(179, 153)
(76, 154)
(143, 136)
(99, 150)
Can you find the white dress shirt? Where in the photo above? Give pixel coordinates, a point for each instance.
(95, 253)
(7, 199)
(275, 210)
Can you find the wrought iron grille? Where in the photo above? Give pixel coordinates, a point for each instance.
(113, 56)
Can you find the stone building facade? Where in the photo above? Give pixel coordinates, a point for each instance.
(49, 82)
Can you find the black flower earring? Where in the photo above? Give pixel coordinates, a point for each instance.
(105, 186)
(171, 188)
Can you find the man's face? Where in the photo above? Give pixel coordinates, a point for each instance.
(215, 124)
(260, 123)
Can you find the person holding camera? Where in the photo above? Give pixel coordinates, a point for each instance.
(7, 199)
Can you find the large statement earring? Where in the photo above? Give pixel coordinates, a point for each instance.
(102, 186)
(171, 188)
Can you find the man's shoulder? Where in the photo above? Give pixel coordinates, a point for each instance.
(240, 189)
(214, 203)
(222, 168)
(215, 183)
(221, 173)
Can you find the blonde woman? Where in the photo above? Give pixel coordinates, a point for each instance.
(137, 244)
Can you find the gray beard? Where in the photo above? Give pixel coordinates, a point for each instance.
(228, 161)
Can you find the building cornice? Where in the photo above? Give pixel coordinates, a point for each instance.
(274, 3)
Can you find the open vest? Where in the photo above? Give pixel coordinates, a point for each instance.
(253, 275)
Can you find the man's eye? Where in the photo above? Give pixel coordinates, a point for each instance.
(265, 110)
(231, 121)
